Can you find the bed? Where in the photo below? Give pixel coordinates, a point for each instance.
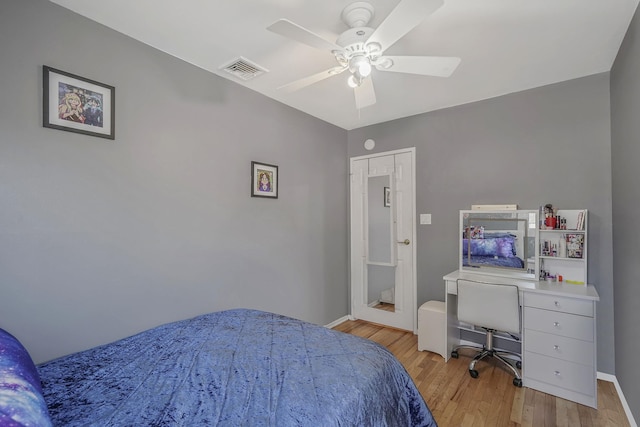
(228, 368)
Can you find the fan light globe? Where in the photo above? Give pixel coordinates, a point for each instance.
(353, 82)
(360, 65)
(364, 68)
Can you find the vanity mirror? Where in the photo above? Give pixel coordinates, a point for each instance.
(502, 243)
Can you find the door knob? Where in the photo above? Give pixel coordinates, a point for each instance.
(405, 242)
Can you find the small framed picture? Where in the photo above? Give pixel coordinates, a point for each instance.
(264, 180)
(77, 104)
(387, 196)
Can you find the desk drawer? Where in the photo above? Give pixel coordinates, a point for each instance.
(559, 373)
(557, 303)
(560, 347)
(553, 322)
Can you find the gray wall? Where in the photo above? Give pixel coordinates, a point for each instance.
(100, 239)
(545, 145)
(625, 154)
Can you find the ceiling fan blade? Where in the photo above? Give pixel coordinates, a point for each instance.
(291, 30)
(365, 94)
(314, 78)
(437, 66)
(404, 18)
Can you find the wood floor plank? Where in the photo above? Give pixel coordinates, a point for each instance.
(456, 399)
(517, 407)
(567, 413)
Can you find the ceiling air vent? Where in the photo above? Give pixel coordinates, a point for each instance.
(244, 69)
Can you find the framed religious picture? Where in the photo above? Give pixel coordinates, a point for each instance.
(264, 180)
(77, 104)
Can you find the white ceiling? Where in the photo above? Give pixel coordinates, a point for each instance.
(505, 45)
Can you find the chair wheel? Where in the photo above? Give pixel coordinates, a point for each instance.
(519, 364)
(473, 373)
(454, 354)
(517, 382)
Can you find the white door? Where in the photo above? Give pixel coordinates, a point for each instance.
(383, 250)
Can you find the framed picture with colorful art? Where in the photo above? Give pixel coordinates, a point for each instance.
(77, 104)
(264, 180)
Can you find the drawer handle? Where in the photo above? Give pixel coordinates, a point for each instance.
(556, 347)
(557, 304)
(556, 373)
(556, 324)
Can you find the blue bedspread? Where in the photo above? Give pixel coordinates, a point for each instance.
(234, 368)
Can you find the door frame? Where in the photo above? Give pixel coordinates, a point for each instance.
(414, 247)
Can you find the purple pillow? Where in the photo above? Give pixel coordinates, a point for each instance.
(21, 400)
(501, 246)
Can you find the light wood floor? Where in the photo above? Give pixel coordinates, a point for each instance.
(385, 306)
(456, 399)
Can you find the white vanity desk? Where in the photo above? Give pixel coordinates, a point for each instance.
(558, 334)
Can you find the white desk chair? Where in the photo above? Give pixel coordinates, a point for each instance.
(494, 307)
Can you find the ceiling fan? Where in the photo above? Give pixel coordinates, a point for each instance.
(361, 48)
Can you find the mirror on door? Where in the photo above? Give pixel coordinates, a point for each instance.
(381, 287)
(379, 220)
(381, 258)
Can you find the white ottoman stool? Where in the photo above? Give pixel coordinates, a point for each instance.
(431, 325)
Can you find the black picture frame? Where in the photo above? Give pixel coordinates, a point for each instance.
(76, 104)
(264, 180)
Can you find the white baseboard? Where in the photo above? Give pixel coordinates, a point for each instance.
(612, 379)
(337, 322)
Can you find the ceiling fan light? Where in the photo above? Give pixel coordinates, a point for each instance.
(353, 82)
(360, 65)
(364, 68)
